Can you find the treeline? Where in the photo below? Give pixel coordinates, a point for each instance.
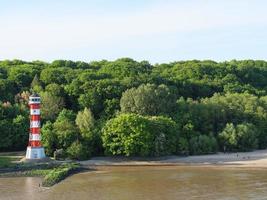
(125, 107)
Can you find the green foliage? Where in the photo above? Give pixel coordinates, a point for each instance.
(148, 99)
(14, 127)
(7, 161)
(5, 134)
(53, 75)
(164, 131)
(78, 151)
(125, 67)
(135, 135)
(20, 127)
(65, 129)
(49, 138)
(210, 115)
(242, 137)
(85, 122)
(51, 105)
(58, 174)
(200, 96)
(202, 144)
(183, 146)
(7, 90)
(36, 85)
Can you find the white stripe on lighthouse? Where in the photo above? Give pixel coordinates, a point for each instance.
(35, 111)
(35, 137)
(35, 124)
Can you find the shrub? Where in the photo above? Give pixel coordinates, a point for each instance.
(65, 129)
(182, 146)
(58, 174)
(78, 151)
(242, 137)
(247, 137)
(202, 144)
(49, 139)
(136, 135)
(164, 135)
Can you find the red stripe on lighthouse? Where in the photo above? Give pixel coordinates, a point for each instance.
(35, 117)
(34, 106)
(35, 143)
(35, 124)
(35, 130)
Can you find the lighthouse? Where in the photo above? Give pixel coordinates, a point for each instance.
(35, 150)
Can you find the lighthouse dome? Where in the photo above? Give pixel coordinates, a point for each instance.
(35, 95)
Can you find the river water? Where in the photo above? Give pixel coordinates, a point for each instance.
(134, 183)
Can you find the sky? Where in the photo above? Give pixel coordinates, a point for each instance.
(154, 30)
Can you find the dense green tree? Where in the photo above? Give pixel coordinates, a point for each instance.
(135, 135)
(200, 96)
(242, 137)
(125, 67)
(202, 144)
(65, 129)
(36, 85)
(49, 138)
(51, 105)
(6, 135)
(78, 151)
(53, 75)
(85, 122)
(7, 90)
(21, 128)
(148, 99)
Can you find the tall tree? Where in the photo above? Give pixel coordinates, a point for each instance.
(85, 122)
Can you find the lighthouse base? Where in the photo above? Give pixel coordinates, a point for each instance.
(35, 153)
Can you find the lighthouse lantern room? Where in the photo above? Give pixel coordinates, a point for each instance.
(35, 149)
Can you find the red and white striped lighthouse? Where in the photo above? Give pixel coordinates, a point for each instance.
(35, 149)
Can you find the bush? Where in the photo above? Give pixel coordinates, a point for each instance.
(164, 135)
(49, 138)
(202, 144)
(58, 174)
(65, 129)
(78, 151)
(136, 135)
(247, 137)
(183, 146)
(242, 137)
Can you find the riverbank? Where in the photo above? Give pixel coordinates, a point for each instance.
(56, 171)
(255, 159)
(52, 172)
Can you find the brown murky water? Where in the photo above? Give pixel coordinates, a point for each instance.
(157, 183)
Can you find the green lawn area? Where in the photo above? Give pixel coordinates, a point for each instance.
(8, 161)
(52, 173)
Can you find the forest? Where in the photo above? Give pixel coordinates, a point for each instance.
(130, 108)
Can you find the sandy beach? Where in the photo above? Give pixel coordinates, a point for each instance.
(255, 159)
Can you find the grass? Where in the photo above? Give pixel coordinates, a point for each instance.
(52, 173)
(8, 161)
(56, 175)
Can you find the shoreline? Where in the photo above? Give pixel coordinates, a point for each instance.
(254, 159)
